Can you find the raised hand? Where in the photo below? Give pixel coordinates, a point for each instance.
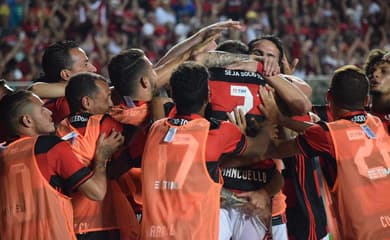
(270, 67)
(237, 117)
(289, 68)
(268, 106)
(218, 27)
(199, 51)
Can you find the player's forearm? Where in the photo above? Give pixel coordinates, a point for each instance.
(100, 177)
(164, 71)
(95, 188)
(281, 149)
(297, 126)
(179, 49)
(275, 185)
(297, 102)
(222, 59)
(48, 90)
(250, 156)
(300, 84)
(158, 107)
(257, 146)
(98, 188)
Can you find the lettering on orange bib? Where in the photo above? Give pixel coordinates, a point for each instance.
(363, 161)
(114, 211)
(181, 201)
(26, 196)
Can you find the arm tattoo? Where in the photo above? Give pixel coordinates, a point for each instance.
(221, 59)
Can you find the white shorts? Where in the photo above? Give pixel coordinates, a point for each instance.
(326, 237)
(235, 225)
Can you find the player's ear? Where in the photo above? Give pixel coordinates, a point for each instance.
(26, 121)
(328, 96)
(86, 102)
(65, 74)
(144, 82)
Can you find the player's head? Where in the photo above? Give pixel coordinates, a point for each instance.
(88, 92)
(23, 113)
(190, 90)
(132, 74)
(373, 57)
(268, 46)
(63, 59)
(380, 75)
(349, 88)
(233, 46)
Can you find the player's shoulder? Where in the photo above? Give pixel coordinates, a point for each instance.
(106, 118)
(223, 126)
(215, 124)
(46, 142)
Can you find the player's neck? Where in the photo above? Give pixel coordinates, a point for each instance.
(145, 97)
(381, 103)
(202, 111)
(338, 113)
(25, 131)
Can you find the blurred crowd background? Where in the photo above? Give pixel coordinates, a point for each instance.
(323, 34)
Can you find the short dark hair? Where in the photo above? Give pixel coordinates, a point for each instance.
(275, 40)
(12, 107)
(81, 85)
(233, 46)
(349, 88)
(57, 57)
(189, 84)
(125, 69)
(374, 57)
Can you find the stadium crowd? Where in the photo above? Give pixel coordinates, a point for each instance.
(323, 34)
(181, 120)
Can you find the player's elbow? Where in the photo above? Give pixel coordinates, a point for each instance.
(307, 90)
(93, 189)
(97, 196)
(34, 88)
(256, 147)
(301, 107)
